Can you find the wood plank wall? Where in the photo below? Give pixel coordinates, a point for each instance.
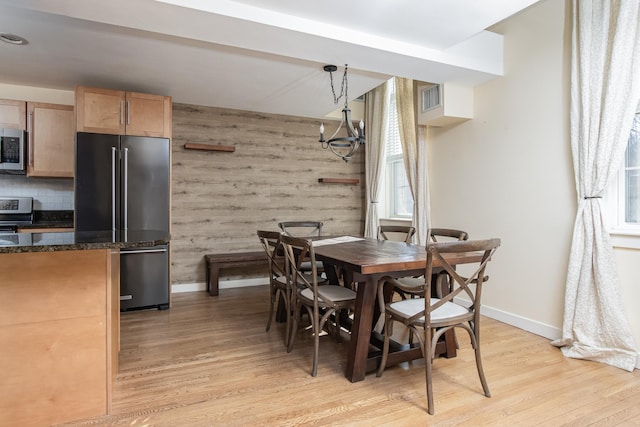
(220, 199)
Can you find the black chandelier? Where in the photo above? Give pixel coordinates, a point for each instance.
(343, 146)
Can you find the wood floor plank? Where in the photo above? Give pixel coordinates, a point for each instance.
(209, 362)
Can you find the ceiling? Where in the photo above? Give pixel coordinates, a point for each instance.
(255, 55)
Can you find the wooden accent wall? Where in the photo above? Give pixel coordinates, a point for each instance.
(220, 199)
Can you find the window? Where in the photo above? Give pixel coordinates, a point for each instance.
(399, 203)
(624, 196)
(631, 172)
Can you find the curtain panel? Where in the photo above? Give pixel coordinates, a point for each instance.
(414, 152)
(605, 89)
(377, 119)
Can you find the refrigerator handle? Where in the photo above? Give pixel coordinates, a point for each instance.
(142, 251)
(113, 188)
(126, 185)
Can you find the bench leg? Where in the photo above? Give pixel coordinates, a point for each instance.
(207, 275)
(213, 280)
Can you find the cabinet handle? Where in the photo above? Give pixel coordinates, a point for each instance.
(122, 107)
(128, 112)
(30, 137)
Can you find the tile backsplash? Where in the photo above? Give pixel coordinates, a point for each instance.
(54, 194)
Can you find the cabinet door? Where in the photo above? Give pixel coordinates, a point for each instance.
(100, 110)
(51, 138)
(148, 115)
(13, 114)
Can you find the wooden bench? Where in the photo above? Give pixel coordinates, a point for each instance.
(215, 262)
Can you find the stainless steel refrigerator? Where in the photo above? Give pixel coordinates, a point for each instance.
(122, 184)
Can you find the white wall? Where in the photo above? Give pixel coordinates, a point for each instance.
(628, 261)
(508, 173)
(37, 94)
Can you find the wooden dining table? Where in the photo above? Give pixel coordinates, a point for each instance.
(367, 261)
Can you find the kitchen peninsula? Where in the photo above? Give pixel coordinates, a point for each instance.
(59, 326)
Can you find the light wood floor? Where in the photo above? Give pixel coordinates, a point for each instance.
(209, 362)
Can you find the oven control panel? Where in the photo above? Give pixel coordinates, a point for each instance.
(16, 205)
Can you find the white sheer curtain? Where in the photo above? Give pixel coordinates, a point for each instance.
(605, 88)
(377, 119)
(414, 152)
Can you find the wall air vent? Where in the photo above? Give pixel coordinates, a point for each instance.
(444, 104)
(431, 98)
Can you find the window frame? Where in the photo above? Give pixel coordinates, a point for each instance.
(391, 204)
(623, 234)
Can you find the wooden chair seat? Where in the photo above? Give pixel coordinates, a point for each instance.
(329, 292)
(408, 308)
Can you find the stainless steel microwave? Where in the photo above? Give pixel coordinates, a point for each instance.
(13, 151)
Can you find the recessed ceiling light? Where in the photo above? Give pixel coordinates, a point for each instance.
(13, 39)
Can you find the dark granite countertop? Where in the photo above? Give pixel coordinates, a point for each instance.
(82, 240)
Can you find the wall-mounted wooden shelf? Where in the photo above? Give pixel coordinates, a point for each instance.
(348, 181)
(207, 147)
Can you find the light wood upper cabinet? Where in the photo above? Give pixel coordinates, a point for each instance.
(148, 115)
(100, 110)
(51, 140)
(122, 113)
(13, 114)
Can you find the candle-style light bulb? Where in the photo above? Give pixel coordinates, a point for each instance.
(321, 131)
(361, 124)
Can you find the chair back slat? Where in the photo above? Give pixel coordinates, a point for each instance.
(392, 232)
(296, 250)
(301, 228)
(437, 234)
(272, 246)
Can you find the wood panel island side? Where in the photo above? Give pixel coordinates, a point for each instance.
(59, 326)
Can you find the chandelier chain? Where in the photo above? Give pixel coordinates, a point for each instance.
(343, 88)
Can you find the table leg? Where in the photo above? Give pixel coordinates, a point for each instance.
(330, 271)
(361, 330)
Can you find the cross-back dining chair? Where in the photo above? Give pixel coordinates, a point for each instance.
(429, 317)
(320, 301)
(304, 229)
(415, 286)
(396, 232)
(279, 289)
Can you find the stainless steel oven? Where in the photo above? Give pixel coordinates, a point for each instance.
(13, 151)
(14, 212)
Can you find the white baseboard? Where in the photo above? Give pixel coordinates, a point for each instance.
(538, 328)
(224, 284)
(535, 327)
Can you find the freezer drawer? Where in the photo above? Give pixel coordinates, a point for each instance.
(144, 278)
